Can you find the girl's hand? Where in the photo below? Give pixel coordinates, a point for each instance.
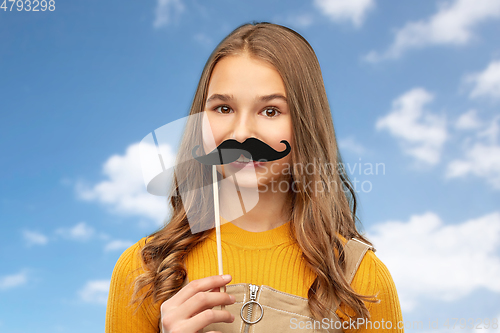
(190, 310)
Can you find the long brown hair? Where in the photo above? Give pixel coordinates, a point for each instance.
(318, 217)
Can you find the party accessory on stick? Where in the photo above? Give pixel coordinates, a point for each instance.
(173, 167)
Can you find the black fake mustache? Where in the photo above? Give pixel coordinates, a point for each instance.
(230, 150)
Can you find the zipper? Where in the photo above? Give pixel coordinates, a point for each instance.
(253, 300)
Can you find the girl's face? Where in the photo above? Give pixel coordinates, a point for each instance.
(247, 98)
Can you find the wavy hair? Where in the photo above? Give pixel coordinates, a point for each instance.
(319, 219)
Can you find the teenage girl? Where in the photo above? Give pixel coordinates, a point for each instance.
(297, 255)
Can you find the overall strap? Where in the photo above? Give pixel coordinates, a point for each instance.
(354, 252)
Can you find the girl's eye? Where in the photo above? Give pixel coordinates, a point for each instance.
(271, 112)
(224, 109)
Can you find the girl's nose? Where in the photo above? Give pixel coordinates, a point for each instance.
(243, 128)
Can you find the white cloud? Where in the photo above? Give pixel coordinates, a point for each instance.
(12, 281)
(118, 245)
(124, 190)
(482, 161)
(340, 10)
(80, 232)
(34, 238)
(453, 24)
(95, 291)
(490, 133)
(166, 11)
(421, 134)
(481, 156)
(468, 121)
(430, 260)
(487, 82)
(351, 145)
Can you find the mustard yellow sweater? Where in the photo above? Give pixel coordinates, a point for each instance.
(269, 258)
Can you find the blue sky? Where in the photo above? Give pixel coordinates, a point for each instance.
(412, 85)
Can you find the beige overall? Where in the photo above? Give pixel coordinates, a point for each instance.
(273, 311)
(282, 312)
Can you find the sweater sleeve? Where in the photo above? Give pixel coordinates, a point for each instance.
(120, 316)
(373, 278)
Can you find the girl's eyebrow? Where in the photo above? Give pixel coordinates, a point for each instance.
(265, 98)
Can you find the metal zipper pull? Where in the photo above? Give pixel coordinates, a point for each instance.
(253, 296)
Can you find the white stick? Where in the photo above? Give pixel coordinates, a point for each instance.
(217, 222)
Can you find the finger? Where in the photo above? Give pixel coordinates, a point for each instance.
(195, 286)
(208, 317)
(217, 289)
(201, 302)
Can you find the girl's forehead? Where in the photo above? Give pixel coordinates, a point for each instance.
(237, 75)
